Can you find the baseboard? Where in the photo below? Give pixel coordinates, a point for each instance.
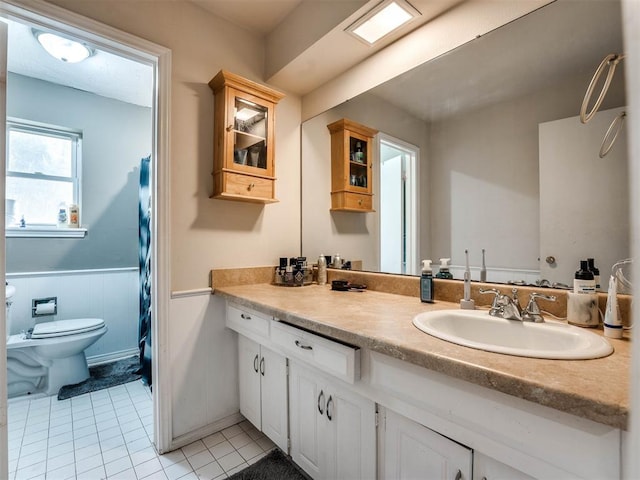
(200, 433)
(111, 357)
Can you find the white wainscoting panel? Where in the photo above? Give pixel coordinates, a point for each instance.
(204, 360)
(110, 294)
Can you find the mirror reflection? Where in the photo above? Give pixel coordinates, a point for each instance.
(482, 148)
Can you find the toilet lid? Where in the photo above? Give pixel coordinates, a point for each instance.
(59, 328)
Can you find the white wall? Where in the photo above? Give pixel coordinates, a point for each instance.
(110, 294)
(483, 179)
(352, 235)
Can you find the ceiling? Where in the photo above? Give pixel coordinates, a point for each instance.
(541, 47)
(325, 52)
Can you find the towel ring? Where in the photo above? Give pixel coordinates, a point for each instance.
(612, 134)
(611, 61)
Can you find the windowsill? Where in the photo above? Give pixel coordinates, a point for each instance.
(45, 232)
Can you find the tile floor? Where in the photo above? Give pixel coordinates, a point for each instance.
(107, 435)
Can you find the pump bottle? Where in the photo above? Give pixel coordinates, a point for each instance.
(426, 282)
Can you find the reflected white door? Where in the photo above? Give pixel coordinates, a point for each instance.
(398, 206)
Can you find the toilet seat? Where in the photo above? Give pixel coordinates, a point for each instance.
(59, 328)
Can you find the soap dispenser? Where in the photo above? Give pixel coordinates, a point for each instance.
(426, 282)
(444, 269)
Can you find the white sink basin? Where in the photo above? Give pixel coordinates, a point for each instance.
(477, 329)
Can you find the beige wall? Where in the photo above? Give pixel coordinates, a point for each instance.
(210, 233)
(353, 235)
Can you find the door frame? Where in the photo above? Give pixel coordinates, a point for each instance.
(158, 57)
(413, 230)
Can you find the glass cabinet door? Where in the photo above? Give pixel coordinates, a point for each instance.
(358, 162)
(250, 124)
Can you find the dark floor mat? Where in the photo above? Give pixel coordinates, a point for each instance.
(104, 376)
(275, 466)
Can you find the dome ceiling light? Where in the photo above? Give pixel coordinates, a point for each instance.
(64, 49)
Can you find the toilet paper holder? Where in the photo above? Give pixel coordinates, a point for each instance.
(41, 307)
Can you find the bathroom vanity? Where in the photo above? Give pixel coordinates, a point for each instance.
(371, 395)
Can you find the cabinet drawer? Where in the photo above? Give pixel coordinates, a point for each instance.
(247, 322)
(337, 359)
(235, 184)
(354, 202)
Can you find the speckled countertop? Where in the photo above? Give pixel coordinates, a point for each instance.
(595, 389)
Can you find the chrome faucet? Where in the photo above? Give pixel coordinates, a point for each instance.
(508, 307)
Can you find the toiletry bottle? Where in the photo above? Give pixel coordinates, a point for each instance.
(483, 270)
(596, 273)
(583, 282)
(322, 270)
(426, 282)
(62, 216)
(359, 153)
(337, 261)
(444, 269)
(74, 216)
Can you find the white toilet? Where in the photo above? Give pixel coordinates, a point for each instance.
(50, 356)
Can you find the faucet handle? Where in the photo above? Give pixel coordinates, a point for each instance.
(496, 299)
(531, 312)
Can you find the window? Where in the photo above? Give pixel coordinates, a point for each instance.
(43, 174)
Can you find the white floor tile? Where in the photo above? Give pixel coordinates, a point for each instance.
(143, 455)
(232, 431)
(231, 461)
(193, 448)
(147, 468)
(94, 474)
(126, 475)
(178, 470)
(107, 434)
(63, 473)
(58, 461)
(210, 471)
(117, 466)
(221, 449)
(171, 458)
(200, 459)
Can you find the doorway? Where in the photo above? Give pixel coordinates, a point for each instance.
(158, 59)
(398, 162)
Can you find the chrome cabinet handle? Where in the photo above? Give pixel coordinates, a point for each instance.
(302, 346)
(262, 366)
(244, 316)
(329, 402)
(255, 363)
(321, 402)
(458, 475)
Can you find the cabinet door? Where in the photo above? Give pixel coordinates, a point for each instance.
(487, 468)
(349, 436)
(273, 374)
(307, 402)
(412, 451)
(249, 379)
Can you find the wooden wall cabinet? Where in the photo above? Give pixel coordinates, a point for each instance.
(351, 166)
(244, 132)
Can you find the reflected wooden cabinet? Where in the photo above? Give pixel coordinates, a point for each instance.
(244, 131)
(351, 166)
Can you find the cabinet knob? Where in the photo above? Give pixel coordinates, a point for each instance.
(321, 402)
(229, 128)
(251, 186)
(244, 316)
(255, 363)
(458, 475)
(360, 202)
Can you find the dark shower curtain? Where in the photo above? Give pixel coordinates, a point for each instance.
(144, 257)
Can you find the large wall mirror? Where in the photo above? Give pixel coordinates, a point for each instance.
(482, 148)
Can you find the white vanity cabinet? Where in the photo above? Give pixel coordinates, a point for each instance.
(263, 389)
(487, 468)
(333, 430)
(412, 451)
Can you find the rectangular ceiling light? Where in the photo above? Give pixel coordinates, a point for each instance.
(385, 18)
